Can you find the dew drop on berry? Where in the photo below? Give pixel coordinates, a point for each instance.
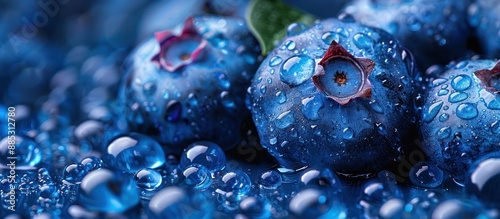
(149, 88)
(329, 37)
(311, 106)
(362, 41)
(466, 111)
(461, 82)
(342, 32)
(284, 119)
(276, 60)
(483, 179)
(347, 133)
(281, 97)
(376, 106)
(295, 29)
(495, 127)
(205, 153)
(457, 97)
(297, 69)
(431, 111)
(223, 80)
(173, 111)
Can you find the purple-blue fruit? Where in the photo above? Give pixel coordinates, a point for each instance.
(436, 32)
(191, 86)
(346, 108)
(460, 118)
(484, 16)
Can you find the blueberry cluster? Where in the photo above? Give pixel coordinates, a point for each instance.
(180, 109)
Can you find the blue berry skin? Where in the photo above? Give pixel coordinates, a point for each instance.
(459, 120)
(192, 87)
(483, 179)
(303, 121)
(484, 16)
(436, 32)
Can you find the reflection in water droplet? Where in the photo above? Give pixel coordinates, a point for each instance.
(329, 37)
(297, 69)
(467, 111)
(362, 41)
(275, 61)
(443, 132)
(284, 120)
(457, 97)
(290, 44)
(311, 106)
(432, 111)
(281, 97)
(347, 133)
(461, 82)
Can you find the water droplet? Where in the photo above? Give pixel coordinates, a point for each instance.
(376, 106)
(148, 179)
(27, 151)
(467, 111)
(461, 82)
(227, 101)
(297, 69)
(290, 44)
(495, 127)
(175, 202)
(426, 174)
(347, 133)
(134, 152)
(438, 82)
(443, 132)
(255, 207)
(311, 106)
(281, 97)
(149, 88)
(461, 65)
(343, 32)
(273, 141)
(444, 117)
(329, 37)
(295, 29)
(284, 120)
(218, 40)
(237, 182)
(174, 111)
(362, 41)
(104, 191)
(312, 203)
(205, 153)
(276, 60)
(263, 89)
(457, 97)
(197, 176)
(270, 179)
(443, 92)
(431, 112)
(223, 80)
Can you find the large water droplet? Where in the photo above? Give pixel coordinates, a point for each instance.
(467, 111)
(495, 127)
(363, 41)
(284, 120)
(148, 179)
(457, 97)
(461, 82)
(297, 69)
(173, 111)
(426, 174)
(311, 106)
(205, 153)
(347, 133)
(431, 112)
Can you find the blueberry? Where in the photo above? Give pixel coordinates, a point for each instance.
(338, 95)
(483, 16)
(191, 86)
(435, 32)
(460, 115)
(483, 178)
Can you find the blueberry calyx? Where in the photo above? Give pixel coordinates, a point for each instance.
(490, 79)
(341, 76)
(177, 51)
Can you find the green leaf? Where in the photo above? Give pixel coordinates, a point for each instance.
(268, 20)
